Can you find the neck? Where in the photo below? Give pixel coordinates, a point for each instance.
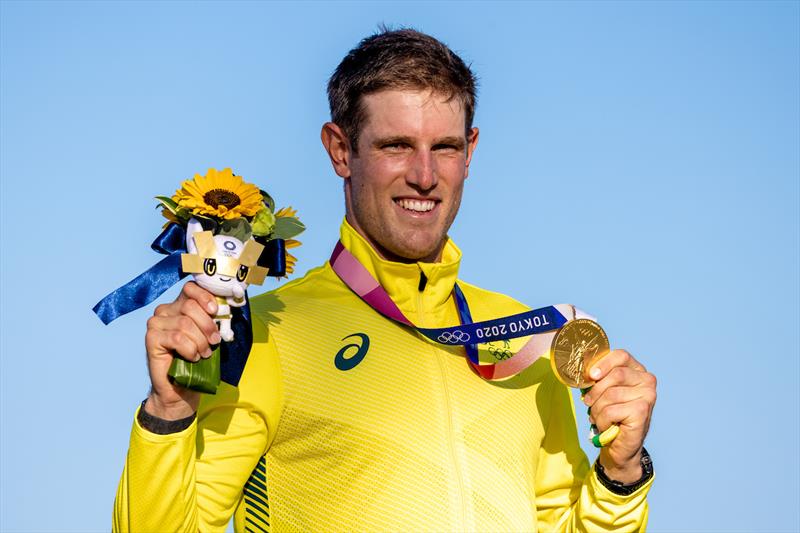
(383, 253)
(401, 280)
(388, 255)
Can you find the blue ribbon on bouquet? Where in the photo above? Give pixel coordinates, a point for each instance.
(153, 282)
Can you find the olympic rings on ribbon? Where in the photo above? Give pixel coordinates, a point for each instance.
(454, 337)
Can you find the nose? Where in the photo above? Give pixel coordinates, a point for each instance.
(422, 173)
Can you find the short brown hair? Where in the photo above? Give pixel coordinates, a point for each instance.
(397, 59)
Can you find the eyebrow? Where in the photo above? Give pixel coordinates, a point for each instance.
(383, 141)
(458, 142)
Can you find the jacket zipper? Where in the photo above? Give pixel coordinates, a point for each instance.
(423, 281)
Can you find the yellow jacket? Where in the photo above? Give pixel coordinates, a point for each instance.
(347, 421)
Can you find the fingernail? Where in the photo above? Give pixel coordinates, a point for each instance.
(208, 353)
(215, 338)
(585, 400)
(212, 307)
(595, 373)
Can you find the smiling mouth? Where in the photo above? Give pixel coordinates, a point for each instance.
(416, 206)
(225, 279)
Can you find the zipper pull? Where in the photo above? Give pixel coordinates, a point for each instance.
(422, 282)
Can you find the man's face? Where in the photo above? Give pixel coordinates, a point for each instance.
(404, 186)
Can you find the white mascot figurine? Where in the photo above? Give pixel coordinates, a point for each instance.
(224, 266)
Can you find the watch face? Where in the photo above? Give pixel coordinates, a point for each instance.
(647, 463)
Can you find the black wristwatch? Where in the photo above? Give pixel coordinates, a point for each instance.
(618, 487)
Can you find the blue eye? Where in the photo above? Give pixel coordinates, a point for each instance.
(210, 266)
(242, 272)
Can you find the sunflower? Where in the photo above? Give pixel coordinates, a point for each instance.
(290, 259)
(219, 194)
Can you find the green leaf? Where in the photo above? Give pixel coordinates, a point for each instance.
(287, 227)
(268, 201)
(263, 222)
(209, 223)
(202, 376)
(238, 228)
(169, 203)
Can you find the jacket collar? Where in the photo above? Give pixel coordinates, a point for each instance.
(402, 280)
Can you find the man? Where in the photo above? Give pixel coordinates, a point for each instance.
(346, 420)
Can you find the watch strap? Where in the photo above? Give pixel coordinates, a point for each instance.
(623, 489)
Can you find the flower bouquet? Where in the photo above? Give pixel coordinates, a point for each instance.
(227, 235)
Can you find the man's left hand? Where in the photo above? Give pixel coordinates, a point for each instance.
(624, 393)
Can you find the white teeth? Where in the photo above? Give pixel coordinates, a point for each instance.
(420, 206)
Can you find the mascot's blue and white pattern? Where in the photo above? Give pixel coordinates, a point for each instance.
(224, 266)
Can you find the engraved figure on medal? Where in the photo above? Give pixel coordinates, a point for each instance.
(575, 346)
(574, 366)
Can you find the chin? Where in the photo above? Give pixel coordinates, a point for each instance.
(426, 253)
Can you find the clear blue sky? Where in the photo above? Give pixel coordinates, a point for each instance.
(640, 160)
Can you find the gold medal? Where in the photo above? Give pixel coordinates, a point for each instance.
(575, 347)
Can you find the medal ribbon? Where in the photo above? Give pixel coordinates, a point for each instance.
(543, 320)
(467, 334)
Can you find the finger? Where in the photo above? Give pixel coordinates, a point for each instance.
(619, 376)
(190, 291)
(179, 334)
(614, 395)
(632, 417)
(201, 319)
(174, 342)
(615, 358)
(193, 291)
(169, 309)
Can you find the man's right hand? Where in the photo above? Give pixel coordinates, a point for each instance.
(184, 328)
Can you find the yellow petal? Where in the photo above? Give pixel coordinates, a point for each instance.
(285, 212)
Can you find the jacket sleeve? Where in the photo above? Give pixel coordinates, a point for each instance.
(569, 497)
(192, 480)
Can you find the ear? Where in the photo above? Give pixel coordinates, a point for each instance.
(472, 143)
(337, 145)
(191, 228)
